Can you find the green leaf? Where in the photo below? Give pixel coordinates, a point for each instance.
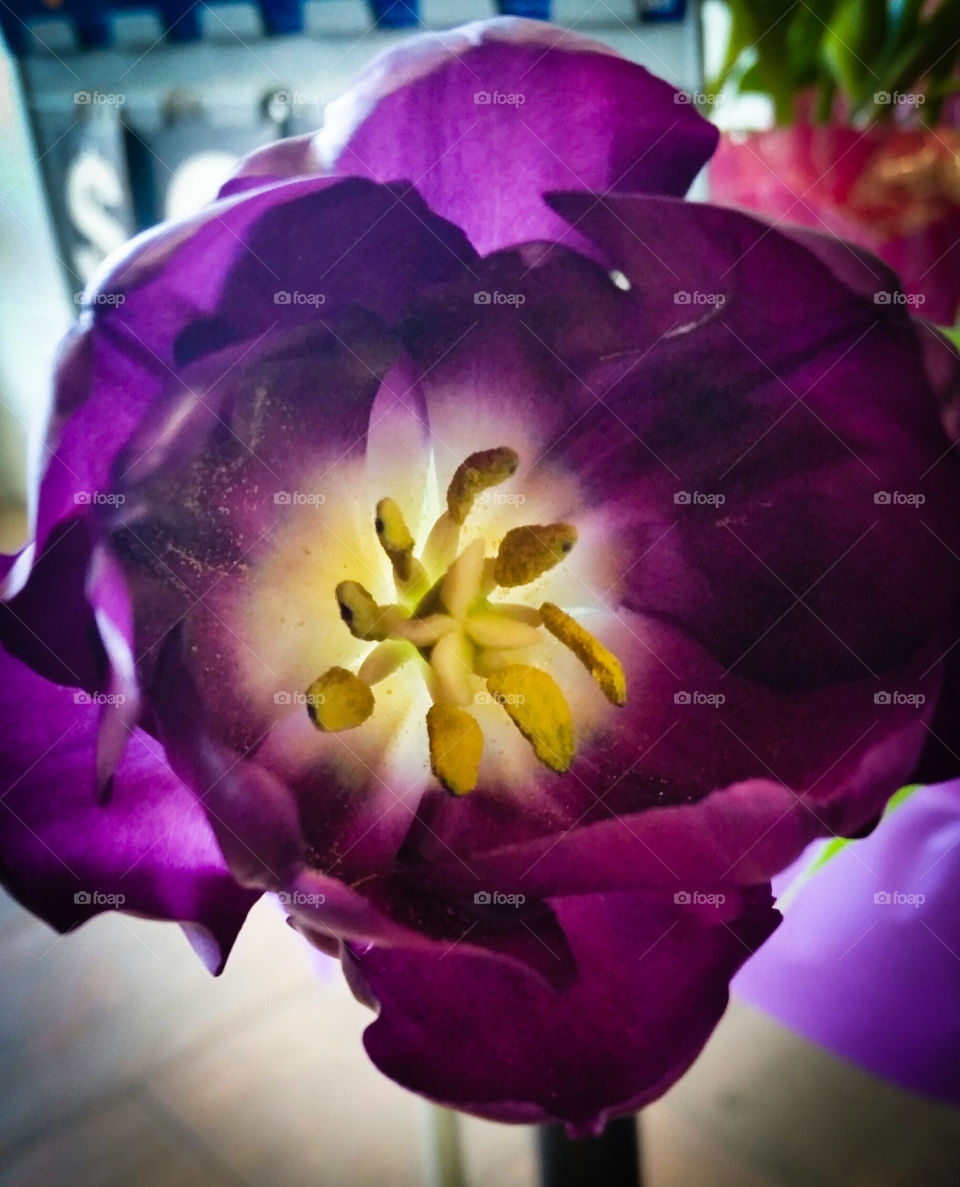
(839, 843)
(852, 45)
(829, 851)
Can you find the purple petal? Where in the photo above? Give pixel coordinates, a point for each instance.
(483, 1037)
(49, 624)
(188, 289)
(866, 962)
(66, 857)
(562, 111)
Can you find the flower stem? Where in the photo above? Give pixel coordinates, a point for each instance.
(443, 1150)
(612, 1159)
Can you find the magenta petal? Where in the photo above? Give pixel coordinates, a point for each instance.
(485, 119)
(66, 857)
(474, 1034)
(866, 962)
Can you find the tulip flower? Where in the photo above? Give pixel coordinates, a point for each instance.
(507, 562)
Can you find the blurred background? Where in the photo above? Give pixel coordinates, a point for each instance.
(122, 1061)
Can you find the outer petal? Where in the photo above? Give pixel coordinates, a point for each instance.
(49, 624)
(67, 858)
(484, 1038)
(229, 274)
(803, 411)
(485, 119)
(866, 960)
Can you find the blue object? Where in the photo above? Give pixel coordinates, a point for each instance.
(654, 11)
(538, 10)
(282, 16)
(396, 14)
(181, 18)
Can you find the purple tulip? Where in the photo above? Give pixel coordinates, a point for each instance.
(507, 562)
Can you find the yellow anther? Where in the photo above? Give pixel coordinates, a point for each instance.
(397, 540)
(602, 664)
(456, 744)
(488, 467)
(539, 710)
(527, 553)
(338, 700)
(363, 616)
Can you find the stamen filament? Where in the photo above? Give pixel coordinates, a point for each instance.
(461, 585)
(500, 631)
(384, 660)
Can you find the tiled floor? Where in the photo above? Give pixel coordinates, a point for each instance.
(123, 1062)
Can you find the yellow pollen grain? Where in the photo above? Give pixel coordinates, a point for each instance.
(486, 468)
(338, 700)
(539, 710)
(456, 743)
(526, 553)
(602, 664)
(395, 537)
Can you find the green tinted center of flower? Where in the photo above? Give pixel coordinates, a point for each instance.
(467, 644)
